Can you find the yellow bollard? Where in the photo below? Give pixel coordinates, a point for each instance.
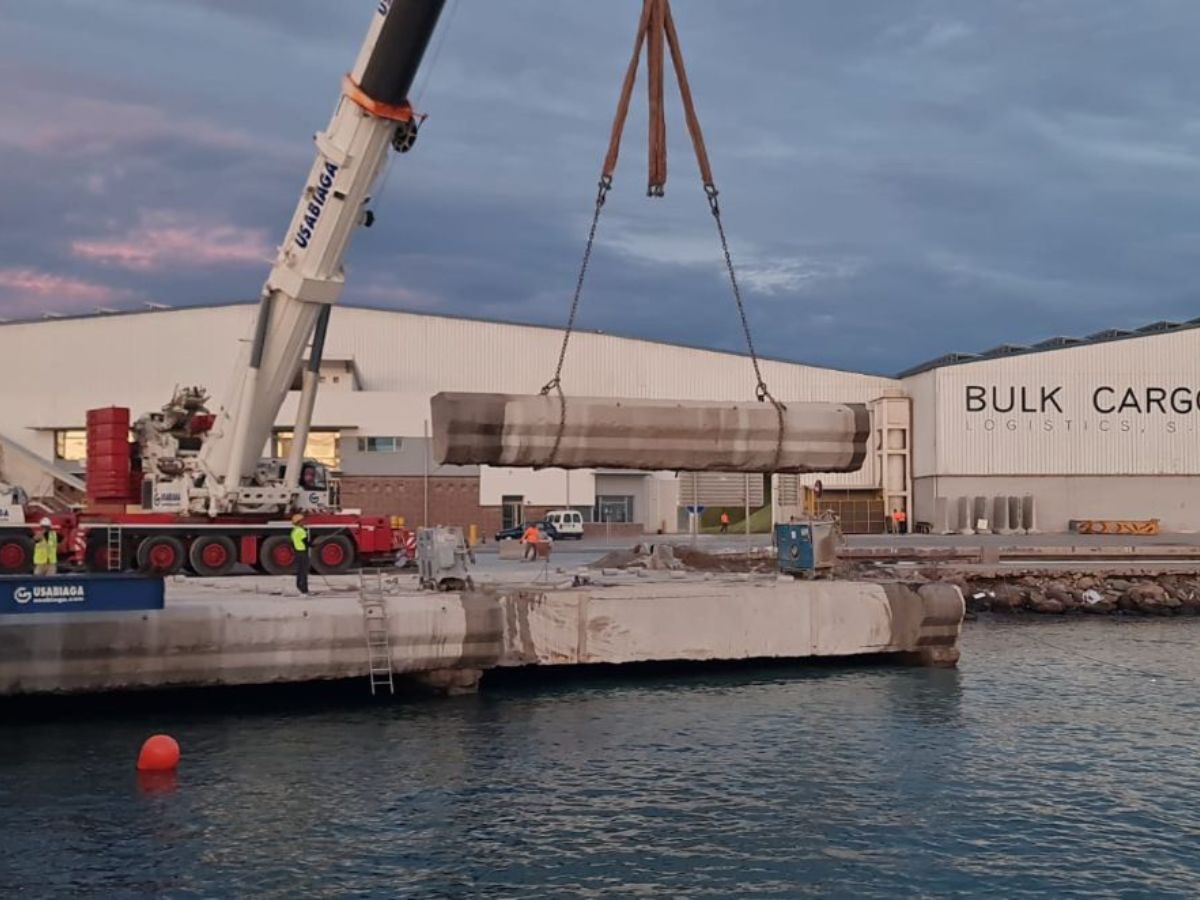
(472, 535)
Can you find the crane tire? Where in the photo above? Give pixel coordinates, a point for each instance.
(212, 555)
(333, 555)
(276, 556)
(16, 555)
(161, 554)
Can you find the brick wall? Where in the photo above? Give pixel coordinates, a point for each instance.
(452, 500)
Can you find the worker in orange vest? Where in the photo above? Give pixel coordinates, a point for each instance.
(530, 539)
(724, 522)
(900, 518)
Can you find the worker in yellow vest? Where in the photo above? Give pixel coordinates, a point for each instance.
(45, 549)
(300, 548)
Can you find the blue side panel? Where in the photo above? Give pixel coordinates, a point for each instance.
(78, 593)
(793, 542)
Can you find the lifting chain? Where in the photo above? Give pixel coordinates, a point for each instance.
(656, 24)
(760, 389)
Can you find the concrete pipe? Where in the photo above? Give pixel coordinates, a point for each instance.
(962, 516)
(1028, 514)
(943, 514)
(1000, 516)
(520, 430)
(980, 521)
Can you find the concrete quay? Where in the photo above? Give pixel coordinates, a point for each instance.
(243, 631)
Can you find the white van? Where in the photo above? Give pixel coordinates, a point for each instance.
(567, 522)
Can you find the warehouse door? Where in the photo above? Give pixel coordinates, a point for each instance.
(512, 511)
(860, 512)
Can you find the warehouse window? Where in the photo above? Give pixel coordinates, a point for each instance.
(614, 508)
(321, 446)
(70, 444)
(379, 445)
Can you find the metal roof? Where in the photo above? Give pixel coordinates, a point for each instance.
(1054, 343)
(160, 308)
(1004, 350)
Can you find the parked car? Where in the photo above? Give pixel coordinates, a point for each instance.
(567, 522)
(514, 533)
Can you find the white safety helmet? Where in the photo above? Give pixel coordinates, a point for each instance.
(45, 523)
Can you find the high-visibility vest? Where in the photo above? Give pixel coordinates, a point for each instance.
(299, 538)
(41, 550)
(901, 515)
(530, 536)
(52, 547)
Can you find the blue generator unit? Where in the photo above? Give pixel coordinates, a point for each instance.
(805, 549)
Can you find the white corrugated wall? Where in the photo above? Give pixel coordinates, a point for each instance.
(55, 370)
(1064, 427)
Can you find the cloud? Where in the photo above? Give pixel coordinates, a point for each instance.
(168, 240)
(944, 33)
(791, 276)
(393, 295)
(937, 174)
(26, 291)
(771, 274)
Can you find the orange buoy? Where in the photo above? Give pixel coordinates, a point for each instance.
(160, 753)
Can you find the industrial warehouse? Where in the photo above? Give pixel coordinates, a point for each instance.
(1015, 438)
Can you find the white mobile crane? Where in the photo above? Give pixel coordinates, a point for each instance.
(206, 498)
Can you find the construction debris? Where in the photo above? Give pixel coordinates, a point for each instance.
(678, 558)
(588, 432)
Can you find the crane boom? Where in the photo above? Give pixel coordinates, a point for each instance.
(371, 116)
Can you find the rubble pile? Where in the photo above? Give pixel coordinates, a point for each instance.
(665, 557)
(1059, 594)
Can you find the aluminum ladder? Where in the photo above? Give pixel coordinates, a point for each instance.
(375, 629)
(113, 560)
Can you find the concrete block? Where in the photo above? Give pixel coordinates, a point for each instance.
(511, 549)
(520, 431)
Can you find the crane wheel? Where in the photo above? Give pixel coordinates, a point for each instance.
(276, 556)
(16, 555)
(161, 555)
(96, 557)
(211, 555)
(333, 555)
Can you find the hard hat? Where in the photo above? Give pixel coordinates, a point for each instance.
(297, 518)
(45, 523)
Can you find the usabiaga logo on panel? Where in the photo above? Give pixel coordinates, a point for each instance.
(51, 593)
(1103, 408)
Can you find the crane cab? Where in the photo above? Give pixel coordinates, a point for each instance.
(318, 489)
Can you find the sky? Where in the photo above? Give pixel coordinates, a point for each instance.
(899, 178)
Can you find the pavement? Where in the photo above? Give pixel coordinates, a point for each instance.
(724, 543)
(571, 557)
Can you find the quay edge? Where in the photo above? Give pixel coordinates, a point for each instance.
(228, 635)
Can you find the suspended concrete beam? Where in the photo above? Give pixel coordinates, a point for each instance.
(521, 431)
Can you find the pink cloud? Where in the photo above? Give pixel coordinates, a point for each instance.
(393, 295)
(167, 239)
(42, 119)
(28, 291)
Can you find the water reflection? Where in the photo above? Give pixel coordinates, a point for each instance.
(154, 783)
(1003, 777)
